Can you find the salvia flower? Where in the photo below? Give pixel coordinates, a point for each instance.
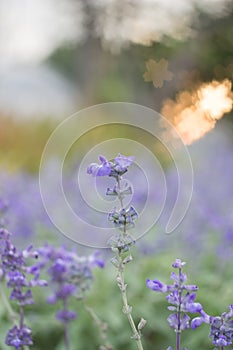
(115, 167)
(221, 327)
(20, 277)
(181, 298)
(123, 220)
(70, 275)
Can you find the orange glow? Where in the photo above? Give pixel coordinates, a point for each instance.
(215, 99)
(195, 113)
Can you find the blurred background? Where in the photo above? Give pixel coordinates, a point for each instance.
(57, 57)
(60, 56)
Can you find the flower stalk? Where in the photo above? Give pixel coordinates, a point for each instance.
(182, 300)
(123, 219)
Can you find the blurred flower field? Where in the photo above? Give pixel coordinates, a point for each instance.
(203, 239)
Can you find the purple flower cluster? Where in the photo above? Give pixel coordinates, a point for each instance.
(20, 278)
(122, 218)
(114, 168)
(221, 327)
(70, 275)
(181, 297)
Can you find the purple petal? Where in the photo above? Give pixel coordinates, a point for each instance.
(157, 286)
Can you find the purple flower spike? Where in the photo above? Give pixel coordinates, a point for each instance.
(181, 300)
(70, 275)
(20, 277)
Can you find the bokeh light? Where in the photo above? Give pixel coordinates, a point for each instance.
(195, 113)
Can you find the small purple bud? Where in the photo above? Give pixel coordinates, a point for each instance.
(178, 264)
(180, 278)
(102, 159)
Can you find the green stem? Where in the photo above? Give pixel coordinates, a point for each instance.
(126, 308)
(8, 307)
(119, 189)
(121, 279)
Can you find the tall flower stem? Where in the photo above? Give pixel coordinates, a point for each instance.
(121, 278)
(123, 219)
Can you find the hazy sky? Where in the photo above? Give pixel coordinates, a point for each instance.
(31, 30)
